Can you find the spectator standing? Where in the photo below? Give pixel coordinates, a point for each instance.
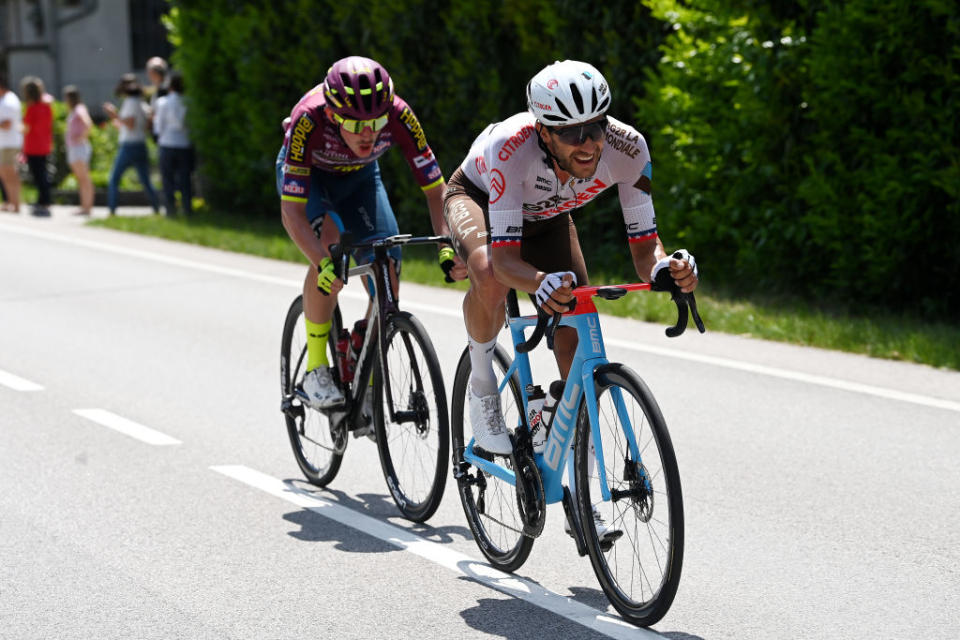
(175, 151)
(38, 138)
(132, 122)
(79, 150)
(11, 141)
(157, 74)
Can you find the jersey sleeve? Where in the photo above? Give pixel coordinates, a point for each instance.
(508, 156)
(408, 133)
(635, 195)
(296, 164)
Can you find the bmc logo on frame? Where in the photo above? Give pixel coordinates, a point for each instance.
(560, 431)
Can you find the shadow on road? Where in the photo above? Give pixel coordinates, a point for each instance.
(519, 620)
(316, 528)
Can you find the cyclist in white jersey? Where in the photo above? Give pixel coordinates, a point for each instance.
(508, 207)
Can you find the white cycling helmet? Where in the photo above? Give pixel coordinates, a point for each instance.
(566, 93)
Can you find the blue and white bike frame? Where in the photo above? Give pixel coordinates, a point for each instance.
(590, 355)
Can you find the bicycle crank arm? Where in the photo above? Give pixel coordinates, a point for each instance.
(287, 407)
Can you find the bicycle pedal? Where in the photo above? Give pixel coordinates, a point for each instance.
(364, 430)
(483, 453)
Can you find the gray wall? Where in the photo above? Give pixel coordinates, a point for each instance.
(93, 50)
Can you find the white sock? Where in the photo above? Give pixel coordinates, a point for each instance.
(483, 380)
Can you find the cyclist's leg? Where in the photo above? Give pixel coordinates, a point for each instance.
(465, 210)
(554, 246)
(317, 308)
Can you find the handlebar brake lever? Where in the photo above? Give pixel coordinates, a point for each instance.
(542, 320)
(696, 315)
(552, 329)
(682, 315)
(340, 254)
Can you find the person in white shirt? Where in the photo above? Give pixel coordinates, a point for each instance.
(11, 142)
(132, 122)
(175, 151)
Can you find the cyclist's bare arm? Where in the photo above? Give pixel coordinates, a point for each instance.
(294, 216)
(512, 270)
(434, 197)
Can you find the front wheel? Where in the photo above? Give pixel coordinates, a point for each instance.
(411, 420)
(640, 571)
(491, 504)
(317, 444)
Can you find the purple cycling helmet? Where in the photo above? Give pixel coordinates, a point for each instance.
(358, 88)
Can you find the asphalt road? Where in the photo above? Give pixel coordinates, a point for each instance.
(148, 490)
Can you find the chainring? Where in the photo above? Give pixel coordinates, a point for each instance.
(531, 501)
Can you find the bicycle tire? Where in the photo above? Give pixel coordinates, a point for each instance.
(640, 572)
(413, 454)
(317, 449)
(502, 543)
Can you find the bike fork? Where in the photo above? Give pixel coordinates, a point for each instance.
(570, 509)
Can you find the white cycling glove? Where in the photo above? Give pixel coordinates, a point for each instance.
(551, 283)
(679, 254)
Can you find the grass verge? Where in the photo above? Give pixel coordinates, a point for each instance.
(881, 334)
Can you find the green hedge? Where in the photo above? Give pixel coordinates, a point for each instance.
(814, 152)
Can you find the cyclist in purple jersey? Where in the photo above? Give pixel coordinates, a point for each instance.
(509, 206)
(329, 181)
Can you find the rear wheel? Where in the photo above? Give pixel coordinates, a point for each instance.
(318, 445)
(639, 572)
(490, 503)
(415, 441)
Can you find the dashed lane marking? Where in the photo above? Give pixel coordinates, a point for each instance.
(127, 427)
(17, 383)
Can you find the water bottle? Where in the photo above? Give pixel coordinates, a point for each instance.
(538, 430)
(345, 356)
(546, 414)
(357, 336)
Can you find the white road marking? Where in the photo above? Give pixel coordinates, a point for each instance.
(127, 427)
(824, 381)
(531, 592)
(17, 383)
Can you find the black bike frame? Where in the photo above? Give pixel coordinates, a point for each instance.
(385, 305)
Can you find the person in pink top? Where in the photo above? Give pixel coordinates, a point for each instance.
(78, 146)
(38, 138)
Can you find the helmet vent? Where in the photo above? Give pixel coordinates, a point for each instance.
(577, 98)
(563, 108)
(593, 98)
(378, 77)
(366, 96)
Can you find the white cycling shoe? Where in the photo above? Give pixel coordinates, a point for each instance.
(606, 534)
(320, 390)
(489, 429)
